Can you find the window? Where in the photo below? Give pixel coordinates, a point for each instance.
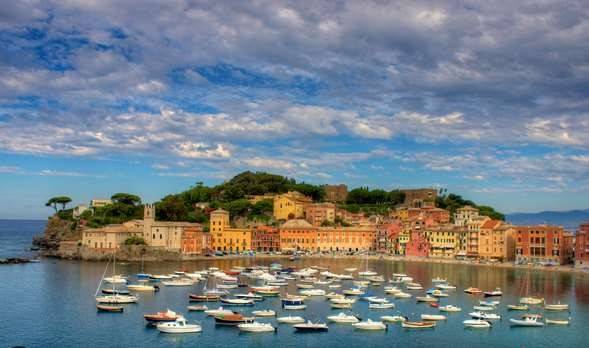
(161, 236)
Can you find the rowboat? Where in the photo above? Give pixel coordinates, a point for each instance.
(530, 320)
(256, 327)
(232, 319)
(204, 298)
(370, 325)
(161, 316)
(496, 292)
(180, 325)
(264, 313)
(556, 307)
(450, 308)
(237, 302)
(518, 307)
(109, 308)
(290, 320)
(343, 318)
(311, 327)
(473, 291)
(557, 321)
(476, 323)
(433, 317)
(418, 324)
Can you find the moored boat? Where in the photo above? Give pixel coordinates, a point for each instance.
(343, 318)
(529, 320)
(237, 302)
(168, 315)
(117, 299)
(449, 308)
(426, 298)
(256, 327)
(311, 327)
(370, 325)
(180, 325)
(381, 305)
(293, 303)
(496, 292)
(433, 317)
(485, 316)
(418, 324)
(473, 291)
(231, 319)
(393, 318)
(476, 323)
(142, 287)
(556, 307)
(204, 298)
(264, 313)
(109, 308)
(521, 307)
(220, 310)
(531, 300)
(557, 321)
(290, 320)
(197, 308)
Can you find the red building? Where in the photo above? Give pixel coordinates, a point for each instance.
(265, 239)
(418, 244)
(541, 244)
(195, 241)
(582, 246)
(387, 235)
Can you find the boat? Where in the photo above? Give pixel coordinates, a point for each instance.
(489, 303)
(557, 321)
(418, 324)
(477, 323)
(268, 292)
(343, 318)
(161, 316)
(220, 310)
(473, 291)
(197, 308)
(178, 282)
(250, 296)
(445, 287)
(426, 298)
(343, 300)
(227, 286)
(393, 318)
(116, 279)
(341, 305)
(434, 304)
(438, 280)
(361, 283)
(109, 308)
(391, 290)
(116, 296)
(264, 313)
(313, 292)
(521, 307)
(403, 295)
(496, 292)
(159, 277)
(290, 320)
(334, 295)
(117, 299)
(293, 303)
(413, 286)
(370, 325)
(115, 292)
(530, 320)
(484, 308)
(376, 279)
(142, 287)
(237, 302)
(485, 316)
(531, 300)
(311, 327)
(232, 319)
(439, 293)
(204, 298)
(180, 325)
(334, 286)
(556, 307)
(449, 308)
(256, 327)
(433, 317)
(374, 299)
(304, 286)
(367, 273)
(351, 269)
(381, 305)
(353, 292)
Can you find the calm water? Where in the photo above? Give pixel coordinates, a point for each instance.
(51, 304)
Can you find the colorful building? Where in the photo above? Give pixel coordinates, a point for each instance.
(110, 237)
(317, 213)
(163, 234)
(463, 216)
(290, 205)
(351, 218)
(265, 239)
(346, 239)
(195, 241)
(445, 241)
(387, 236)
(417, 246)
(542, 244)
(496, 241)
(582, 246)
(298, 235)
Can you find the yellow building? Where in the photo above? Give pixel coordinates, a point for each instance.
(446, 241)
(290, 205)
(401, 213)
(348, 239)
(298, 234)
(225, 238)
(496, 241)
(99, 203)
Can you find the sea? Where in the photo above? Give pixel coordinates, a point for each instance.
(51, 304)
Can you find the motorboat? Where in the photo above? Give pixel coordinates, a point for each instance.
(115, 291)
(237, 302)
(343, 300)
(485, 316)
(531, 320)
(489, 303)
(109, 308)
(178, 282)
(264, 313)
(433, 317)
(334, 286)
(413, 286)
(232, 319)
(220, 310)
(160, 277)
(180, 325)
(256, 327)
(311, 327)
(393, 318)
(361, 283)
(531, 300)
(142, 287)
(402, 294)
(370, 325)
(350, 270)
(381, 305)
(116, 279)
(353, 292)
(477, 323)
(377, 300)
(418, 324)
(368, 298)
(268, 292)
(168, 315)
(304, 286)
(293, 303)
(290, 320)
(376, 279)
(439, 293)
(250, 296)
(341, 305)
(557, 321)
(484, 308)
(227, 286)
(496, 292)
(197, 308)
(313, 292)
(204, 298)
(449, 308)
(117, 299)
(445, 287)
(520, 307)
(334, 295)
(473, 291)
(426, 298)
(556, 307)
(438, 280)
(343, 318)
(367, 273)
(391, 290)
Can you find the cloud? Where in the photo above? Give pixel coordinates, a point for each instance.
(201, 150)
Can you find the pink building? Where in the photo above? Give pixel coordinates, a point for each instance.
(417, 244)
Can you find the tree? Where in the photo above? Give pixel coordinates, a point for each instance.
(135, 240)
(126, 198)
(54, 201)
(171, 208)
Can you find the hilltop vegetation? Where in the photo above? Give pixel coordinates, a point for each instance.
(451, 202)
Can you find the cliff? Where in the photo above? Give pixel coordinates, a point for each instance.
(57, 231)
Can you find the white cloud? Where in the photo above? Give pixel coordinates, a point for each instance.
(201, 150)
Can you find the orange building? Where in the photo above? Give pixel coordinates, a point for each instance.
(496, 241)
(540, 244)
(582, 246)
(348, 239)
(317, 213)
(265, 239)
(195, 241)
(298, 234)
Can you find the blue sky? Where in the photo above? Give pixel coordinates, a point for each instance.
(487, 100)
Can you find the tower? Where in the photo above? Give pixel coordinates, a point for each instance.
(148, 219)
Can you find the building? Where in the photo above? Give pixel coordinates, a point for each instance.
(195, 241)
(463, 216)
(227, 239)
(298, 235)
(351, 218)
(99, 203)
(79, 210)
(541, 244)
(387, 235)
(417, 198)
(582, 246)
(290, 205)
(253, 199)
(336, 193)
(346, 239)
(265, 239)
(317, 213)
(418, 245)
(163, 234)
(446, 241)
(496, 241)
(110, 237)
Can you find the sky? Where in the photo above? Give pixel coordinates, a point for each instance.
(486, 99)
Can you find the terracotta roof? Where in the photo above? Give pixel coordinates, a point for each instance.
(467, 207)
(297, 223)
(490, 224)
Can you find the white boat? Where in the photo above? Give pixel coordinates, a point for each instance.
(484, 308)
(361, 283)
(376, 279)
(223, 286)
(403, 295)
(117, 299)
(116, 279)
(141, 287)
(351, 269)
(476, 323)
(438, 280)
(250, 296)
(161, 277)
(304, 286)
(290, 320)
(439, 293)
(556, 307)
(445, 287)
(450, 308)
(343, 300)
(367, 273)
(531, 320)
(522, 307)
(311, 327)
(218, 311)
(178, 326)
(393, 318)
(343, 318)
(256, 327)
(377, 300)
(178, 282)
(313, 292)
(485, 316)
(391, 290)
(414, 287)
(557, 321)
(334, 295)
(433, 317)
(264, 313)
(381, 305)
(531, 300)
(426, 298)
(197, 308)
(496, 292)
(489, 303)
(237, 301)
(353, 292)
(334, 286)
(341, 305)
(370, 325)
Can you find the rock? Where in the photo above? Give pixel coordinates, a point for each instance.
(14, 261)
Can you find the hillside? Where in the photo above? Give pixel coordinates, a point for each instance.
(570, 219)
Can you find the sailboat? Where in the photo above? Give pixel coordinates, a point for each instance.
(142, 274)
(115, 298)
(367, 272)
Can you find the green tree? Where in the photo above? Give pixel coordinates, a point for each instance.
(171, 208)
(135, 240)
(54, 201)
(126, 198)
